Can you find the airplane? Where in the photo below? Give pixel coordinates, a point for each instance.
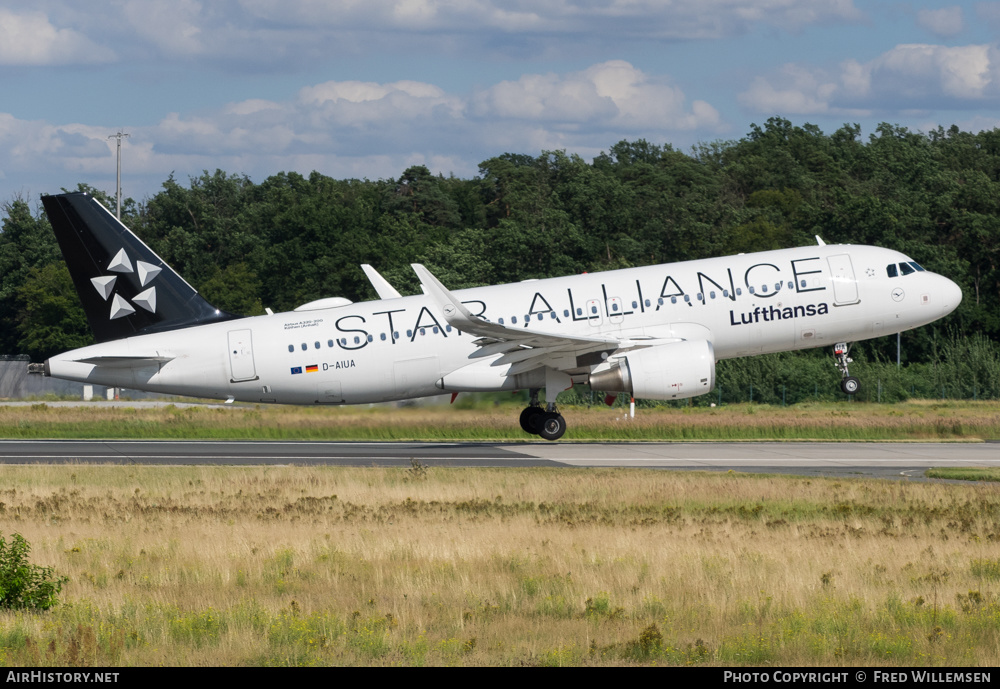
(653, 332)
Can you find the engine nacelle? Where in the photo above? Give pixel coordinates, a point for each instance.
(665, 372)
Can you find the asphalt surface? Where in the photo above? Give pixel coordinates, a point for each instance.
(886, 460)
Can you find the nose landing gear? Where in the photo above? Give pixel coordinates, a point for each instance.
(848, 384)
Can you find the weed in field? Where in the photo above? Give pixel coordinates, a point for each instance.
(985, 568)
(22, 584)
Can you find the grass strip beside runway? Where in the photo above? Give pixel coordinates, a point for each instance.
(919, 420)
(424, 566)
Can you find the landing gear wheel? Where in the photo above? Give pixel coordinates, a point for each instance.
(531, 419)
(552, 426)
(850, 385)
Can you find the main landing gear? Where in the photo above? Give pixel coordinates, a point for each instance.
(849, 384)
(546, 423)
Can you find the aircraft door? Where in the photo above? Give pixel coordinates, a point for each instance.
(845, 286)
(241, 356)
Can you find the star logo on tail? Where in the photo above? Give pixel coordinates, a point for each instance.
(105, 285)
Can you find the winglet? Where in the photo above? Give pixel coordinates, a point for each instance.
(454, 311)
(381, 285)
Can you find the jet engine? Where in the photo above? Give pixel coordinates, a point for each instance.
(665, 372)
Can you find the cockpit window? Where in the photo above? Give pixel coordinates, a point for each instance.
(917, 266)
(906, 268)
(891, 270)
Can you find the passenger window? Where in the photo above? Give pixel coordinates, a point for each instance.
(891, 270)
(371, 339)
(409, 333)
(579, 311)
(673, 300)
(803, 283)
(906, 268)
(329, 343)
(687, 297)
(725, 293)
(447, 328)
(763, 288)
(593, 309)
(382, 337)
(738, 291)
(701, 297)
(648, 304)
(513, 319)
(614, 307)
(304, 346)
(777, 287)
(565, 313)
(541, 316)
(500, 321)
(291, 348)
(423, 331)
(395, 334)
(711, 294)
(552, 315)
(635, 305)
(317, 345)
(751, 290)
(435, 330)
(791, 284)
(659, 302)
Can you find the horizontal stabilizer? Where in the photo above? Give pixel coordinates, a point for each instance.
(126, 361)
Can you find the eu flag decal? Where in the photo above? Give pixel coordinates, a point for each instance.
(312, 369)
(296, 369)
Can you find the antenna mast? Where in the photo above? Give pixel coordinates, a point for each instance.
(118, 184)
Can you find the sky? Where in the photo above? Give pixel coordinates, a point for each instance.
(366, 88)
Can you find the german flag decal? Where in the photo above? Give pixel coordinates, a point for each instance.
(312, 369)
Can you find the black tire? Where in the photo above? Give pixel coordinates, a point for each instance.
(850, 385)
(552, 426)
(531, 419)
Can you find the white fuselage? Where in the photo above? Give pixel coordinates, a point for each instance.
(402, 348)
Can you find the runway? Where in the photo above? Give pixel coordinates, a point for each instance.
(886, 460)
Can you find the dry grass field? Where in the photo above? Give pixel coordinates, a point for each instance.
(915, 420)
(314, 566)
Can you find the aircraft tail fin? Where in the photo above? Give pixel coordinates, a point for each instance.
(125, 288)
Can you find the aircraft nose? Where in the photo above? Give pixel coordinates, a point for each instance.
(951, 296)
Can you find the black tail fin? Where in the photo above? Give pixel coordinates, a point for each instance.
(126, 289)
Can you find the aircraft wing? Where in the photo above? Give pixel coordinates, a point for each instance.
(524, 349)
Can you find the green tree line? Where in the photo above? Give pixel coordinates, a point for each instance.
(292, 238)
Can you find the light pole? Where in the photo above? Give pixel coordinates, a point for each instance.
(118, 183)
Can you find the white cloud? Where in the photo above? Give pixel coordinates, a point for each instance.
(29, 38)
(908, 76)
(271, 35)
(175, 27)
(683, 19)
(610, 95)
(371, 129)
(944, 23)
